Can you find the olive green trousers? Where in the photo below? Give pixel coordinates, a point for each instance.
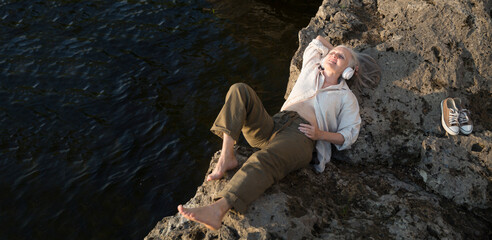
(283, 148)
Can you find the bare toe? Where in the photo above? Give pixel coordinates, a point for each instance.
(215, 176)
(181, 209)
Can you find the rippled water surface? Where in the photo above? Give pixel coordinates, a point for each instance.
(105, 106)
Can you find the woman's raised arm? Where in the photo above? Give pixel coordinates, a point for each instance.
(324, 42)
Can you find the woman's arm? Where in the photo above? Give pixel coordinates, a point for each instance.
(324, 42)
(315, 51)
(314, 133)
(349, 121)
(348, 125)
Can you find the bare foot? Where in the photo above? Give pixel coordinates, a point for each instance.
(226, 162)
(211, 216)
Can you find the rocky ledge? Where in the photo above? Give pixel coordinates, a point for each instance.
(404, 178)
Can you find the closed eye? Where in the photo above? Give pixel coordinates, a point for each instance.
(338, 55)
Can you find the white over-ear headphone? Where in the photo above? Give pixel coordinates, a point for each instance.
(348, 73)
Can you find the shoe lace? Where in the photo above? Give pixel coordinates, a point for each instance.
(463, 117)
(453, 117)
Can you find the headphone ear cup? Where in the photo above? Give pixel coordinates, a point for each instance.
(348, 73)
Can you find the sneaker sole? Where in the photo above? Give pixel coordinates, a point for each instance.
(443, 123)
(465, 132)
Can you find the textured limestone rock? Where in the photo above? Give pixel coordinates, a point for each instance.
(459, 168)
(428, 50)
(404, 178)
(345, 202)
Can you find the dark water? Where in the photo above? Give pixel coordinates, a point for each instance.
(105, 106)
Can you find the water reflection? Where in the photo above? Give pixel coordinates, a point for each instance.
(269, 30)
(105, 106)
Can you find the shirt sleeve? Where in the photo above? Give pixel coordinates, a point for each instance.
(313, 53)
(349, 121)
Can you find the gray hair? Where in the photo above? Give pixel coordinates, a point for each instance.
(368, 73)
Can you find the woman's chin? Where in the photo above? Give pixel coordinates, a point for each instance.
(329, 68)
(329, 65)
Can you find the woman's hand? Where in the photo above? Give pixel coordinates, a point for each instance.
(310, 131)
(325, 42)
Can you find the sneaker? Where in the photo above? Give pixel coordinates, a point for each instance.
(466, 125)
(449, 116)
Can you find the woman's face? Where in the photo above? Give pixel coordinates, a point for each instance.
(337, 60)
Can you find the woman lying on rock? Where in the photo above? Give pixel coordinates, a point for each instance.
(321, 110)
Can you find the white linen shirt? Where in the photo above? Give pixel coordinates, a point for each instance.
(336, 107)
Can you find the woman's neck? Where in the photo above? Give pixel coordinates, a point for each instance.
(330, 79)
